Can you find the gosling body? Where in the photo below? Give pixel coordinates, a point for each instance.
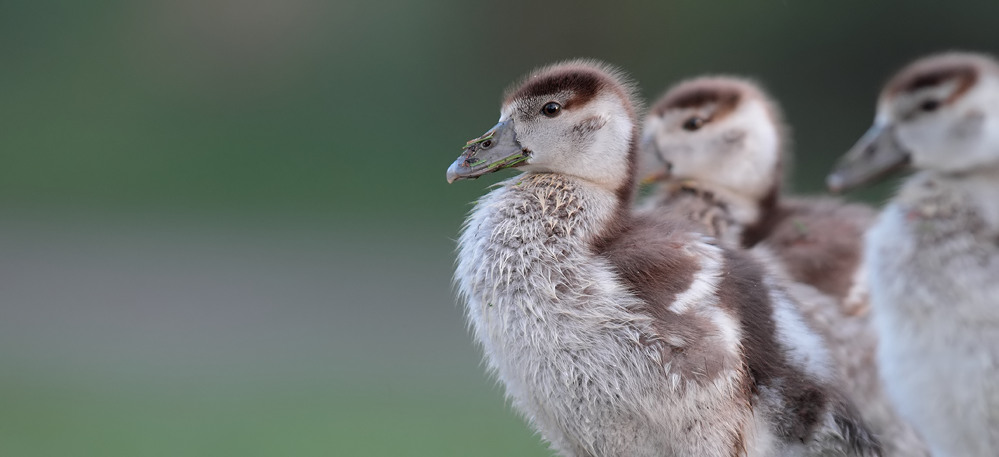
(715, 146)
(624, 335)
(932, 256)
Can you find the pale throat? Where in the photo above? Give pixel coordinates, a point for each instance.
(612, 155)
(599, 203)
(743, 208)
(981, 187)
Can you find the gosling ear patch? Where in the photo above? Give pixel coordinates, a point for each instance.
(970, 125)
(734, 137)
(589, 125)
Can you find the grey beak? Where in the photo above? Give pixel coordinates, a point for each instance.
(495, 150)
(653, 167)
(876, 154)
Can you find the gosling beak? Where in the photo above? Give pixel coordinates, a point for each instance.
(652, 178)
(495, 150)
(876, 154)
(652, 166)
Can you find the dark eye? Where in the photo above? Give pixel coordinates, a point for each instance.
(929, 105)
(693, 123)
(551, 109)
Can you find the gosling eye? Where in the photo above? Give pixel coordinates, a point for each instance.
(551, 109)
(929, 105)
(694, 123)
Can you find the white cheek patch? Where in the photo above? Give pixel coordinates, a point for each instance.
(958, 137)
(739, 153)
(591, 141)
(670, 143)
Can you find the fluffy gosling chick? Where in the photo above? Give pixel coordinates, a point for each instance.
(716, 146)
(721, 139)
(933, 255)
(619, 335)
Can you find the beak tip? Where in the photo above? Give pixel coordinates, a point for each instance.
(453, 172)
(835, 183)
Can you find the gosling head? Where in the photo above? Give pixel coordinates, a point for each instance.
(939, 113)
(575, 118)
(722, 133)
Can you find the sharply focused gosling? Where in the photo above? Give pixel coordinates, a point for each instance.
(716, 146)
(624, 335)
(933, 255)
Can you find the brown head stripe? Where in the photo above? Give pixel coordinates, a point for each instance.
(695, 97)
(699, 93)
(964, 76)
(583, 79)
(583, 85)
(962, 68)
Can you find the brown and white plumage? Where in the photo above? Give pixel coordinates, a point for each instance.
(716, 146)
(933, 256)
(624, 335)
(721, 140)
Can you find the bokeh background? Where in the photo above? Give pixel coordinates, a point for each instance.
(224, 224)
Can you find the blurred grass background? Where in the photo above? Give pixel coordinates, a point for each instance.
(224, 225)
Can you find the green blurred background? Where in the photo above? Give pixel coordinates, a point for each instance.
(224, 225)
